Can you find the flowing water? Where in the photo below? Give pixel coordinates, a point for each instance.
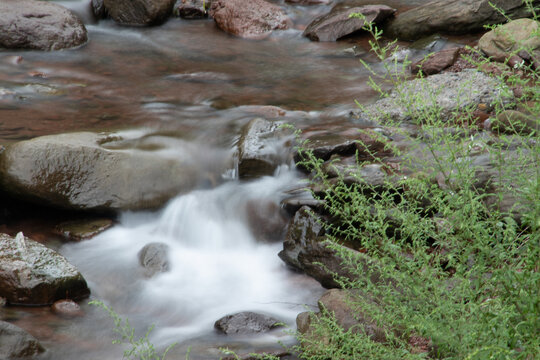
(190, 79)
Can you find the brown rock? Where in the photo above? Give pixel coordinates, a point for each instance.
(338, 22)
(39, 25)
(435, 63)
(453, 17)
(515, 122)
(254, 19)
(139, 12)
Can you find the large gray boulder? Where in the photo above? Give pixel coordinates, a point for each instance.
(88, 171)
(453, 17)
(39, 25)
(246, 322)
(139, 12)
(338, 22)
(254, 19)
(32, 274)
(443, 94)
(15, 343)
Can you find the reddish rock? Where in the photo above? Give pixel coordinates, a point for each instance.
(437, 62)
(66, 308)
(308, 2)
(253, 19)
(338, 22)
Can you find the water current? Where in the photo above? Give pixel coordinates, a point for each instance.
(193, 81)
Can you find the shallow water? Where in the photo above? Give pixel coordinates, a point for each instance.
(188, 79)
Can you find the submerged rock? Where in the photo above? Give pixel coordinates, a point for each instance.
(78, 230)
(154, 258)
(66, 308)
(39, 25)
(261, 148)
(88, 171)
(254, 19)
(32, 274)
(246, 322)
(338, 22)
(139, 12)
(15, 343)
(453, 17)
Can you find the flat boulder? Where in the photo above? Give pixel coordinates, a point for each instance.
(32, 274)
(507, 40)
(447, 92)
(453, 17)
(15, 343)
(89, 171)
(246, 322)
(40, 25)
(254, 19)
(339, 23)
(139, 12)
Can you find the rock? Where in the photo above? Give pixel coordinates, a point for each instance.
(67, 308)
(338, 22)
(343, 140)
(192, 9)
(257, 355)
(309, 2)
(88, 171)
(506, 40)
(98, 9)
(154, 258)
(305, 249)
(446, 92)
(262, 147)
(246, 323)
(254, 19)
(15, 343)
(78, 230)
(32, 274)
(514, 122)
(303, 322)
(265, 220)
(453, 17)
(139, 12)
(436, 62)
(39, 25)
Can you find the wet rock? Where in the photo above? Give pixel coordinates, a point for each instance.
(192, 9)
(67, 308)
(246, 323)
(435, 63)
(504, 41)
(39, 25)
(345, 141)
(305, 249)
(154, 258)
(257, 355)
(338, 22)
(514, 122)
(253, 19)
(139, 12)
(88, 171)
(78, 230)
(98, 9)
(446, 92)
(265, 220)
(15, 343)
(262, 147)
(32, 274)
(453, 17)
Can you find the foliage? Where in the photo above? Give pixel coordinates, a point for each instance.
(138, 349)
(461, 271)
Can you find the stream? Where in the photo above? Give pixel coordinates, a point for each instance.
(189, 79)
